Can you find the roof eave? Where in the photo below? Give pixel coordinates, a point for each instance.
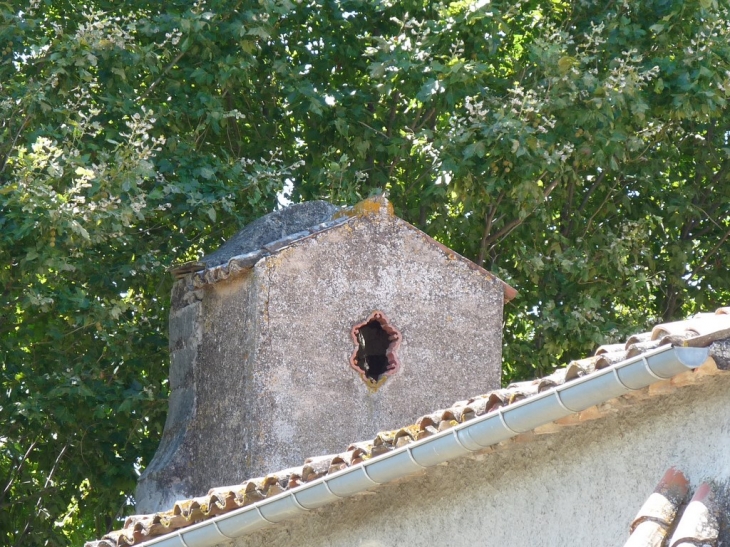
(475, 435)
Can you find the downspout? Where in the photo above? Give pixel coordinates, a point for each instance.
(472, 436)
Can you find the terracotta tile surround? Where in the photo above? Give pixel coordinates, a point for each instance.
(394, 336)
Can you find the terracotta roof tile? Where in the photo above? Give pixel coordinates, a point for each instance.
(607, 359)
(610, 348)
(700, 324)
(698, 522)
(642, 347)
(652, 518)
(656, 516)
(637, 338)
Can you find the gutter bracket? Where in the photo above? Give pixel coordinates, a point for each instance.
(458, 441)
(618, 378)
(329, 490)
(648, 369)
(217, 529)
(367, 475)
(561, 403)
(410, 455)
(296, 502)
(258, 510)
(504, 423)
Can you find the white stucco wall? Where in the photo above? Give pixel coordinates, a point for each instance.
(581, 486)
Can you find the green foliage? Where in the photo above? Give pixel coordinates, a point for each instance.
(578, 150)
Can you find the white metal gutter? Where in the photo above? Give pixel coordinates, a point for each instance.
(474, 435)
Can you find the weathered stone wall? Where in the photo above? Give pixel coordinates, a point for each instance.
(213, 342)
(260, 372)
(581, 486)
(166, 478)
(312, 401)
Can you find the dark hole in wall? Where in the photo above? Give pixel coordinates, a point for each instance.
(373, 342)
(375, 355)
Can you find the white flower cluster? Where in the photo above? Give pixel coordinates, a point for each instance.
(476, 110)
(412, 39)
(102, 32)
(138, 136)
(33, 5)
(528, 107)
(717, 31)
(266, 172)
(172, 37)
(627, 74)
(594, 39)
(235, 113)
(457, 49)
(561, 153)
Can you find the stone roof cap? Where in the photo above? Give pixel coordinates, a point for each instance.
(276, 231)
(296, 218)
(714, 326)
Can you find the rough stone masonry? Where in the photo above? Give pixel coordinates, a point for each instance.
(268, 346)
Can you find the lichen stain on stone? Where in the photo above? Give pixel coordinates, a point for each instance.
(276, 260)
(372, 385)
(376, 205)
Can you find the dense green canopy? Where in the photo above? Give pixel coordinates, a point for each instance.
(580, 150)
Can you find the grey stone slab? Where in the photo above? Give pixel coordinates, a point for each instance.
(285, 241)
(246, 260)
(720, 352)
(272, 227)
